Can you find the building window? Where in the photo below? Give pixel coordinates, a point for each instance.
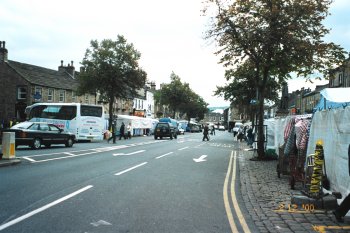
(74, 96)
(62, 96)
(50, 95)
(86, 98)
(21, 93)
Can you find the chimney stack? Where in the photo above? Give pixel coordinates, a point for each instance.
(3, 52)
(69, 68)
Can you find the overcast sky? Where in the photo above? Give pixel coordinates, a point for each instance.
(169, 35)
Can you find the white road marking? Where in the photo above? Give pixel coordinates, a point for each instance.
(164, 155)
(200, 159)
(183, 148)
(72, 154)
(132, 153)
(129, 169)
(29, 159)
(64, 157)
(41, 209)
(100, 222)
(67, 153)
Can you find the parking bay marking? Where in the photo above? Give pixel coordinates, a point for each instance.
(88, 152)
(45, 207)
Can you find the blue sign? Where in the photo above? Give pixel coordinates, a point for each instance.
(37, 96)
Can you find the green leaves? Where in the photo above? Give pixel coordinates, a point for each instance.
(111, 69)
(180, 98)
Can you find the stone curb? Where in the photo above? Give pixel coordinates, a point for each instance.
(9, 162)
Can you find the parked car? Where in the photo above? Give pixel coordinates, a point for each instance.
(164, 129)
(238, 125)
(195, 129)
(35, 134)
(181, 131)
(221, 128)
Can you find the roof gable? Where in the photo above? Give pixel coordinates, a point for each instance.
(44, 77)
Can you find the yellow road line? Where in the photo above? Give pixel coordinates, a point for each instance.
(323, 229)
(234, 199)
(226, 201)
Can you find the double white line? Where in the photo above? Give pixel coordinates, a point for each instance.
(232, 168)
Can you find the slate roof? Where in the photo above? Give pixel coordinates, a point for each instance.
(44, 77)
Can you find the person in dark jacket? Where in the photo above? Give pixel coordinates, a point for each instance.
(122, 131)
(206, 132)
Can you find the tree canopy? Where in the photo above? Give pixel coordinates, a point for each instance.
(111, 69)
(181, 98)
(278, 37)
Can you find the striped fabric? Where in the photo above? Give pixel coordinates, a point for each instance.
(288, 128)
(301, 130)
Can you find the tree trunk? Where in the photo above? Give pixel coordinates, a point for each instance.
(110, 111)
(260, 123)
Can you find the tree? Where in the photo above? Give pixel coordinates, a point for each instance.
(278, 37)
(195, 107)
(174, 94)
(181, 98)
(111, 68)
(241, 91)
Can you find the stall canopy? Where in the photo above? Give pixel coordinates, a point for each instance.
(334, 98)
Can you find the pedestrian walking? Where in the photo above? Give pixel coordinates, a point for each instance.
(212, 130)
(205, 133)
(114, 131)
(122, 131)
(250, 136)
(129, 130)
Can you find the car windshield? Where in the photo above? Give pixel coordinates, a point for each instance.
(160, 125)
(22, 125)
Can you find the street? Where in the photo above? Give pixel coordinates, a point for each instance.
(137, 185)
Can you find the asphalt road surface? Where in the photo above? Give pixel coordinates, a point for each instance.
(137, 185)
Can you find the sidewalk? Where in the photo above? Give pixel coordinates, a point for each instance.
(268, 198)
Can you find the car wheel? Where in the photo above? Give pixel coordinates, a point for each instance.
(175, 136)
(69, 142)
(36, 143)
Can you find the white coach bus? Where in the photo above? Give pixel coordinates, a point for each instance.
(84, 120)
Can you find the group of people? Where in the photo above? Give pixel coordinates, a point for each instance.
(122, 133)
(206, 132)
(245, 133)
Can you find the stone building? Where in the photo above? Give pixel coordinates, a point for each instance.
(340, 77)
(23, 84)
